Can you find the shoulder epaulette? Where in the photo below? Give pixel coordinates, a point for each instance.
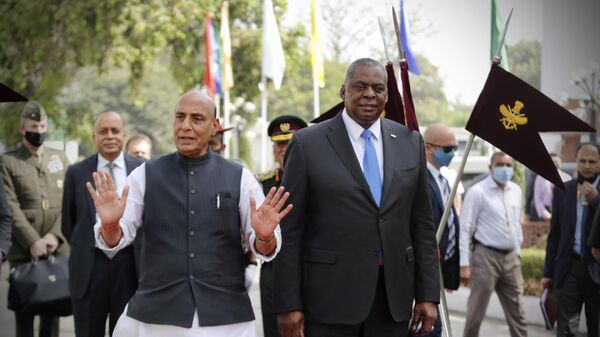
(266, 176)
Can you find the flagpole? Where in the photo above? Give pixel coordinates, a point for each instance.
(387, 54)
(263, 124)
(226, 122)
(218, 104)
(443, 306)
(460, 172)
(316, 112)
(450, 201)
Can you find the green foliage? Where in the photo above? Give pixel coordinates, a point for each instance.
(525, 59)
(148, 110)
(46, 43)
(532, 267)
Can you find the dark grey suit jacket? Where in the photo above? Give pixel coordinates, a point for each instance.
(561, 238)
(78, 219)
(328, 264)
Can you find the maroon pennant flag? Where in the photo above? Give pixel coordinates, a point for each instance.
(394, 109)
(9, 95)
(510, 113)
(409, 107)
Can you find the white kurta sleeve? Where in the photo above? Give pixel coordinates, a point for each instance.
(134, 209)
(249, 187)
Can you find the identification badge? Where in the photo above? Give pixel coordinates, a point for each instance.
(60, 183)
(45, 204)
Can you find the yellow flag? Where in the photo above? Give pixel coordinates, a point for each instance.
(316, 46)
(227, 76)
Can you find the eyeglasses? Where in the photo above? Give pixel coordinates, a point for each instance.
(446, 148)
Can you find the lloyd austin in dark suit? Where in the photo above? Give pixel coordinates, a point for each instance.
(100, 284)
(359, 245)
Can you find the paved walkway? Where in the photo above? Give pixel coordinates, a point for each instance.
(493, 326)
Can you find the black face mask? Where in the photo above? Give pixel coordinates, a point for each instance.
(34, 138)
(581, 179)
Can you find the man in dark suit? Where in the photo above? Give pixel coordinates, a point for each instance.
(569, 266)
(440, 146)
(359, 245)
(101, 284)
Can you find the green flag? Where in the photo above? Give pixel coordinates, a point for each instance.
(497, 24)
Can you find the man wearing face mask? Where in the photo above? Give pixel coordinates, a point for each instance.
(440, 147)
(569, 266)
(491, 223)
(33, 178)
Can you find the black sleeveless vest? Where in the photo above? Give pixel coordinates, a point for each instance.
(191, 257)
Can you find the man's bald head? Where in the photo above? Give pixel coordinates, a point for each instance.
(440, 137)
(435, 132)
(194, 98)
(195, 122)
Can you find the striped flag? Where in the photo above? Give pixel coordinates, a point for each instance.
(212, 73)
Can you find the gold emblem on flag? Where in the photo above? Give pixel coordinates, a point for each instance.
(512, 116)
(284, 126)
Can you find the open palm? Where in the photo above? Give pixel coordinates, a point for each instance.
(266, 218)
(109, 206)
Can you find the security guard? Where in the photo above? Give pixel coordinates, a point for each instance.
(33, 178)
(281, 130)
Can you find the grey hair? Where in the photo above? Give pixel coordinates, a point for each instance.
(369, 62)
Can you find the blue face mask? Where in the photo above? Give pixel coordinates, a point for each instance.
(443, 158)
(502, 174)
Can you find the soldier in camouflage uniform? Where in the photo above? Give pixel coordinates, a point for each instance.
(281, 130)
(33, 177)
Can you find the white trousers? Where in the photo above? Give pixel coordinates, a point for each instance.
(129, 327)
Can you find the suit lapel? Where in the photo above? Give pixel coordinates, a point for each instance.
(91, 167)
(338, 137)
(390, 157)
(571, 206)
(433, 186)
(129, 165)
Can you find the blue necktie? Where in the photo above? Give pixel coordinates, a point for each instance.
(371, 167)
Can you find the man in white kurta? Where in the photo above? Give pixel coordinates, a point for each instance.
(222, 203)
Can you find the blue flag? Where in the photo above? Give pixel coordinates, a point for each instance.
(412, 62)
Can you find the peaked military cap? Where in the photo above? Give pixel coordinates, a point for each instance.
(34, 111)
(282, 128)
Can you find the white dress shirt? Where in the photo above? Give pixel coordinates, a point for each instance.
(358, 143)
(120, 177)
(119, 171)
(492, 216)
(132, 220)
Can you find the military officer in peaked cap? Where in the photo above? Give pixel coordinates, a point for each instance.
(33, 177)
(281, 130)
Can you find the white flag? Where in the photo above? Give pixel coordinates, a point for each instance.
(273, 61)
